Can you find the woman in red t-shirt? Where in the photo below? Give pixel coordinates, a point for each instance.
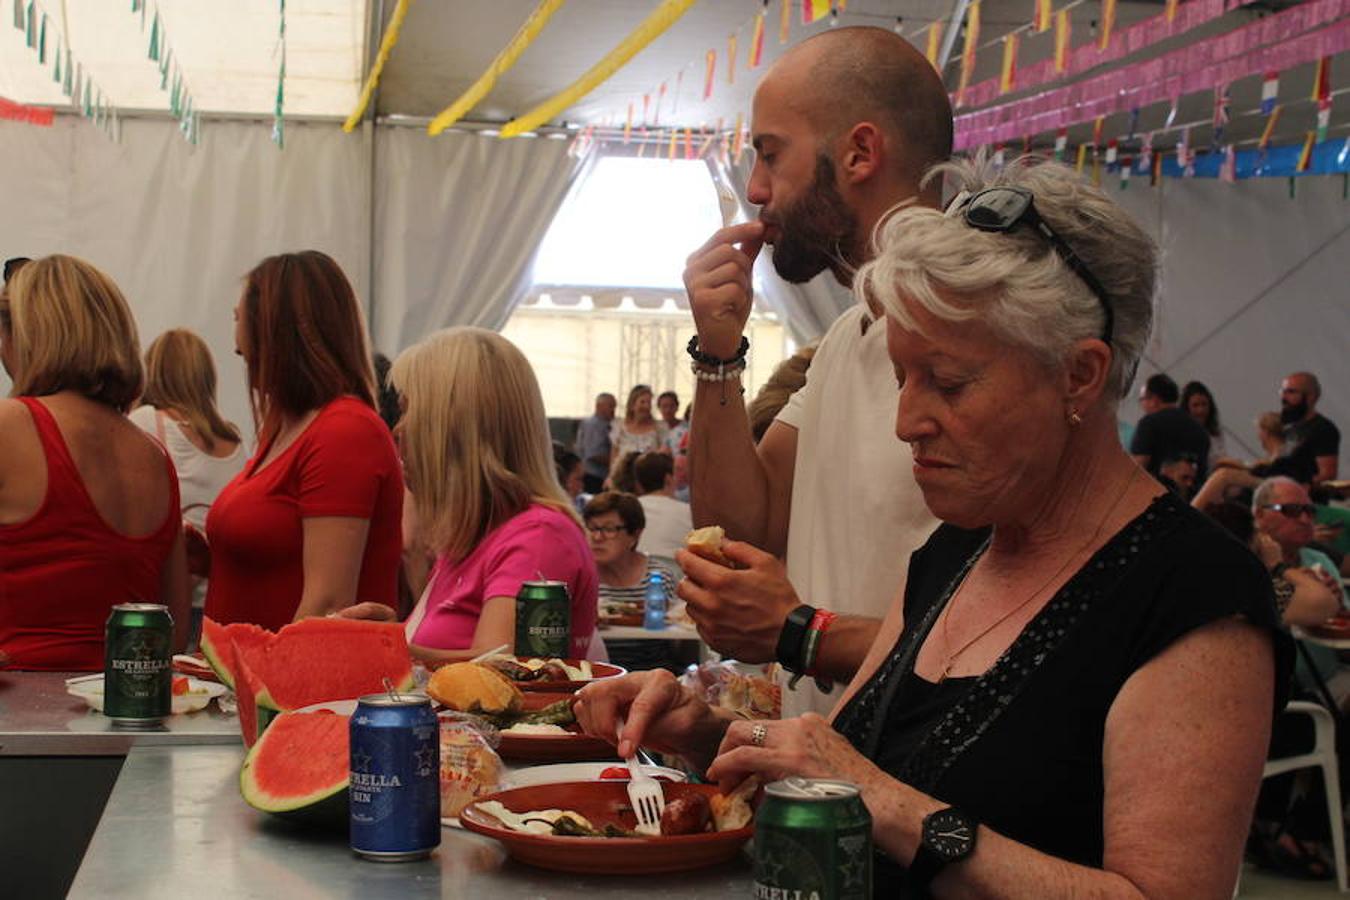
(88, 503)
(312, 523)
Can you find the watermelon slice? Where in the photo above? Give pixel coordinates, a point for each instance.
(218, 642)
(306, 662)
(299, 770)
(315, 660)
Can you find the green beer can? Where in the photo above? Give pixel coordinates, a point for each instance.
(544, 620)
(137, 677)
(813, 841)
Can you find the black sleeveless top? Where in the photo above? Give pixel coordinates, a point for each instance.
(1019, 748)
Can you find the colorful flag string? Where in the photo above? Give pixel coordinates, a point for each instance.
(528, 33)
(387, 43)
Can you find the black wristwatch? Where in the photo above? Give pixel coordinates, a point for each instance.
(793, 636)
(948, 837)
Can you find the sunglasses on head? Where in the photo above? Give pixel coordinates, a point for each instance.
(1001, 209)
(1292, 510)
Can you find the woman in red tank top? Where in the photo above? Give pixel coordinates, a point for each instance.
(88, 503)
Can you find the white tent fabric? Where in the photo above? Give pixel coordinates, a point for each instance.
(177, 227)
(461, 218)
(807, 309)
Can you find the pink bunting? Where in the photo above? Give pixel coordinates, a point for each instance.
(1276, 43)
(1123, 44)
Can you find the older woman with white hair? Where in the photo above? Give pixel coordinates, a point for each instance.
(1074, 694)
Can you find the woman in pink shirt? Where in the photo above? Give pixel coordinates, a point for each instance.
(478, 462)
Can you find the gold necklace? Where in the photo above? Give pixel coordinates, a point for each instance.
(951, 658)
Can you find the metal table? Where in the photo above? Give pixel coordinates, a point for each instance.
(59, 761)
(176, 826)
(38, 718)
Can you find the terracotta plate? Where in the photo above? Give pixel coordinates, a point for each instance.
(1332, 628)
(571, 747)
(602, 803)
(598, 669)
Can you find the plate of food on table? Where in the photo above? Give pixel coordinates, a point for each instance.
(533, 727)
(550, 675)
(1338, 627)
(589, 827)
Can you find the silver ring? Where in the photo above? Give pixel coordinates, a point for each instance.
(757, 735)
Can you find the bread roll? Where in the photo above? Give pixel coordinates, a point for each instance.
(707, 543)
(470, 687)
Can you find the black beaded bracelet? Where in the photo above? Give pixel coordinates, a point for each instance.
(792, 638)
(707, 359)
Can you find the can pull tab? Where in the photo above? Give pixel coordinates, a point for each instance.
(805, 787)
(389, 689)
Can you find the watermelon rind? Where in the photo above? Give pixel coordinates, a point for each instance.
(220, 643)
(325, 807)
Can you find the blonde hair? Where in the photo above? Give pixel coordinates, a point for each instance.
(71, 330)
(475, 438)
(180, 376)
(630, 409)
(1015, 283)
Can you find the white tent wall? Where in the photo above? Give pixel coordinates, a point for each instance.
(177, 227)
(1254, 287)
(460, 220)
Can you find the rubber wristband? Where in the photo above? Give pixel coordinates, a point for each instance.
(792, 637)
(820, 623)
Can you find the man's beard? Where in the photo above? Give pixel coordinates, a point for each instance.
(816, 232)
(1293, 412)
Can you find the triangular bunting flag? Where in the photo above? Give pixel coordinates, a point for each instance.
(1008, 76)
(934, 44)
(1270, 92)
(756, 43)
(1044, 16)
(1062, 36)
(1108, 24)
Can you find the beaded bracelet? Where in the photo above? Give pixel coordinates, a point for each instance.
(708, 359)
(723, 373)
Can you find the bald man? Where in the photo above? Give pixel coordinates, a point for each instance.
(844, 127)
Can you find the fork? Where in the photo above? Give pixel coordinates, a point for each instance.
(645, 793)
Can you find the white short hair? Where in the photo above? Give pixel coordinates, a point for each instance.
(1015, 282)
(1261, 496)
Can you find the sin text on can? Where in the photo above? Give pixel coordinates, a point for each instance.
(137, 659)
(395, 778)
(813, 841)
(543, 619)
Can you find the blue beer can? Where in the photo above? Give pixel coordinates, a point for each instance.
(395, 778)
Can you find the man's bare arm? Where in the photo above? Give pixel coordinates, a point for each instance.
(745, 489)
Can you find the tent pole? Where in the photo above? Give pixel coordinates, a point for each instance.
(953, 29)
(368, 129)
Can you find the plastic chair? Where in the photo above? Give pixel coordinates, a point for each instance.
(1322, 755)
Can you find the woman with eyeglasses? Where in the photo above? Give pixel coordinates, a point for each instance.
(1073, 694)
(89, 508)
(615, 522)
(479, 463)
